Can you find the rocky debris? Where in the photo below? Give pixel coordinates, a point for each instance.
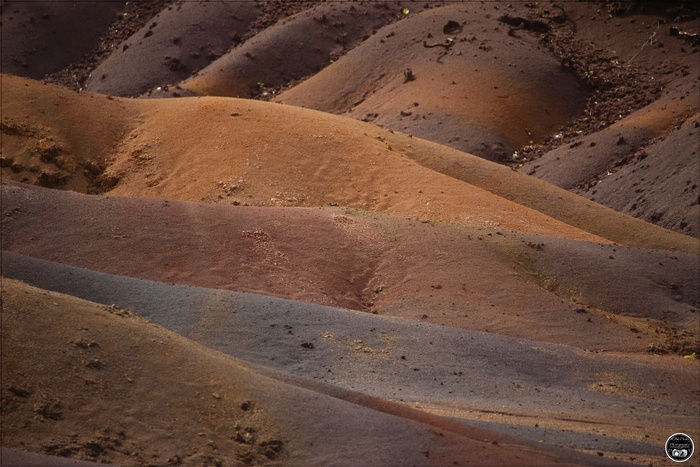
(46, 160)
(20, 391)
(49, 408)
(452, 27)
(522, 23)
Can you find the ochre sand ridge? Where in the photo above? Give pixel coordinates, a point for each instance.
(233, 152)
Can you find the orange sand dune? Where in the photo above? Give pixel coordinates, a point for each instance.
(233, 152)
(41, 142)
(319, 159)
(485, 78)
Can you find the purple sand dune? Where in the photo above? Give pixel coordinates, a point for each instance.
(382, 356)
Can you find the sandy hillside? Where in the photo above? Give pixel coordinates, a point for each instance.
(330, 349)
(644, 162)
(374, 263)
(348, 233)
(317, 36)
(130, 383)
(41, 37)
(446, 76)
(234, 154)
(169, 47)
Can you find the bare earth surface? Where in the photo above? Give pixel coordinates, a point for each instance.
(348, 233)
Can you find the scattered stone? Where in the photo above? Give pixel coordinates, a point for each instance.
(95, 364)
(521, 23)
(271, 448)
(50, 408)
(83, 344)
(93, 449)
(452, 27)
(19, 391)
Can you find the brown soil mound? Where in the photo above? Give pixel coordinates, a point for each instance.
(451, 75)
(182, 39)
(97, 382)
(235, 151)
(645, 59)
(671, 198)
(642, 166)
(292, 49)
(437, 368)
